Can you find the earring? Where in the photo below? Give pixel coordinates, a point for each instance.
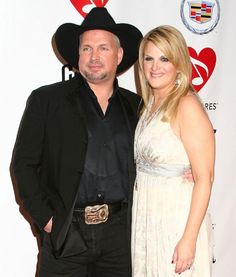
(178, 79)
(177, 82)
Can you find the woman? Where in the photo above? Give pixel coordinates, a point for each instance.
(171, 229)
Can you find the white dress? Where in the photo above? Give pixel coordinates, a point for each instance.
(161, 203)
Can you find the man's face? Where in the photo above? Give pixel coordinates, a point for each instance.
(99, 56)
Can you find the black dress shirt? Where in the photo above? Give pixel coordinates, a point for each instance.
(105, 176)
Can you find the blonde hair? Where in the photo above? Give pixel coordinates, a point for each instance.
(172, 43)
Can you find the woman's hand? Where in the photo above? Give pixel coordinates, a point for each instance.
(184, 254)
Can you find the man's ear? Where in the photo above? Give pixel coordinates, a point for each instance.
(120, 55)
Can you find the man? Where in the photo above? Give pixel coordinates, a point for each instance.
(73, 157)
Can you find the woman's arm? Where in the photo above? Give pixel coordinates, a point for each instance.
(197, 135)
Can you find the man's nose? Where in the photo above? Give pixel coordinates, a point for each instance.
(95, 54)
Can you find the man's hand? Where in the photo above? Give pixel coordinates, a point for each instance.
(48, 227)
(188, 175)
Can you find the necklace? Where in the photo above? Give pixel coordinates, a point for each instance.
(150, 115)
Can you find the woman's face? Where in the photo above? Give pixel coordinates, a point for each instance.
(159, 72)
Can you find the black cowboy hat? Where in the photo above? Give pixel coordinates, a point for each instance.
(67, 37)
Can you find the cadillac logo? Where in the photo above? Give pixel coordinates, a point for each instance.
(200, 17)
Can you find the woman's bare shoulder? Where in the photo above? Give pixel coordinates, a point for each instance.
(191, 104)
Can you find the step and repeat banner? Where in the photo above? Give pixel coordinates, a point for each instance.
(28, 61)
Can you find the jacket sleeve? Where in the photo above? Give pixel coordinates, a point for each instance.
(26, 162)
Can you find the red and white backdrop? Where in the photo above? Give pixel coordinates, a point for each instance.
(27, 61)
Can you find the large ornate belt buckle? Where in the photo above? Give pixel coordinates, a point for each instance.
(96, 214)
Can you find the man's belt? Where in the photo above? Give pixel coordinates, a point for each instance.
(98, 213)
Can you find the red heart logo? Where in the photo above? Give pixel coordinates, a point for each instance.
(84, 6)
(203, 65)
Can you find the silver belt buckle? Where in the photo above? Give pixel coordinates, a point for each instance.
(96, 214)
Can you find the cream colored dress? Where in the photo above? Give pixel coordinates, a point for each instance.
(161, 203)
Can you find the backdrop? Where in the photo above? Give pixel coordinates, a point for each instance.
(28, 61)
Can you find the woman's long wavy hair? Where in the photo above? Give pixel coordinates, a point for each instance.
(172, 44)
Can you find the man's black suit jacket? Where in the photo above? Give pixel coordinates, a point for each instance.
(49, 154)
